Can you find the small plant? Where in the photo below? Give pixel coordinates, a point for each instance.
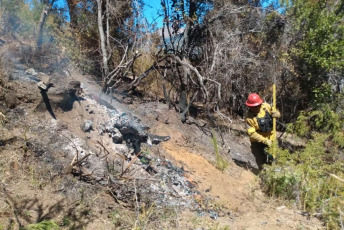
(44, 225)
(221, 163)
(34, 181)
(338, 138)
(144, 156)
(280, 181)
(66, 221)
(26, 139)
(27, 214)
(116, 218)
(144, 217)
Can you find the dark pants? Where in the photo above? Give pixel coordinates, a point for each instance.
(259, 153)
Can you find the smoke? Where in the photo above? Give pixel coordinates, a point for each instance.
(17, 18)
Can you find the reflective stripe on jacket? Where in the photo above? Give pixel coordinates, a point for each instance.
(254, 131)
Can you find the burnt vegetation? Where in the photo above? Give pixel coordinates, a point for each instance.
(203, 61)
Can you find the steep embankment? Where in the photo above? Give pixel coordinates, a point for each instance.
(56, 169)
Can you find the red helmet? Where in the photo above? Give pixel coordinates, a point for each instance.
(253, 100)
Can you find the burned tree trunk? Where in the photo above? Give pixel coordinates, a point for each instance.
(185, 56)
(103, 44)
(72, 13)
(45, 11)
(183, 97)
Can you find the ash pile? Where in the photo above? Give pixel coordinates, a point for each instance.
(131, 174)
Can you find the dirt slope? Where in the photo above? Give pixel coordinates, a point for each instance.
(237, 189)
(37, 150)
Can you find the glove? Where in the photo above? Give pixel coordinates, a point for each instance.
(275, 114)
(268, 142)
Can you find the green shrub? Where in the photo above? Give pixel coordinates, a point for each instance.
(300, 126)
(338, 138)
(311, 178)
(44, 225)
(314, 174)
(323, 118)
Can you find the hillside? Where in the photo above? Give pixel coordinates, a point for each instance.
(61, 162)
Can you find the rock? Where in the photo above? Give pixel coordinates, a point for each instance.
(221, 213)
(128, 124)
(132, 127)
(154, 139)
(2, 41)
(198, 122)
(127, 100)
(75, 85)
(87, 126)
(10, 101)
(30, 71)
(213, 215)
(121, 148)
(117, 136)
(290, 141)
(243, 158)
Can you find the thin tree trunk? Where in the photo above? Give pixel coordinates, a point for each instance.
(47, 7)
(102, 44)
(44, 14)
(108, 26)
(72, 13)
(183, 99)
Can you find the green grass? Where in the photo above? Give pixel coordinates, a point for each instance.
(221, 163)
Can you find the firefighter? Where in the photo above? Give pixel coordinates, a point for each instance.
(259, 118)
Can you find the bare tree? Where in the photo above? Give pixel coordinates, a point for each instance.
(216, 53)
(182, 42)
(129, 46)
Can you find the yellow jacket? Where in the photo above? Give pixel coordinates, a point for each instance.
(254, 130)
